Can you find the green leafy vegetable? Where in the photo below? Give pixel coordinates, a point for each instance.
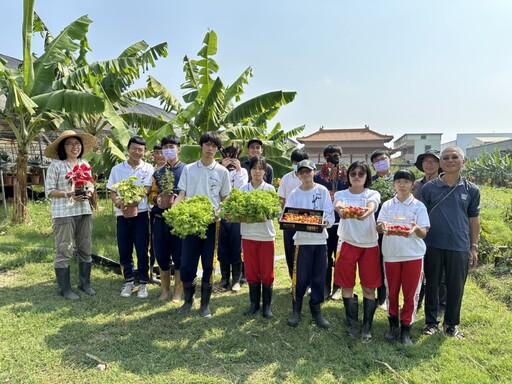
(128, 191)
(384, 185)
(191, 216)
(251, 207)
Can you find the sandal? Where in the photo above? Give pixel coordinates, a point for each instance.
(430, 329)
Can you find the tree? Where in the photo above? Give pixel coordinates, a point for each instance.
(212, 106)
(32, 104)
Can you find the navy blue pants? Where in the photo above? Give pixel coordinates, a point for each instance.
(455, 265)
(193, 248)
(332, 245)
(230, 243)
(311, 266)
(134, 232)
(289, 249)
(167, 247)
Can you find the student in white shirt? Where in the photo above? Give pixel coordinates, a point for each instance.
(258, 246)
(310, 262)
(403, 255)
(209, 178)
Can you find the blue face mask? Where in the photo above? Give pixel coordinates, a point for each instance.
(381, 166)
(294, 166)
(169, 154)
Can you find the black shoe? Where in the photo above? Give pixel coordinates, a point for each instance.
(452, 331)
(206, 293)
(189, 289)
(430, 329)
(405, 334)
(351, 313)
(64, 281)
(84, 278)
(317, 316)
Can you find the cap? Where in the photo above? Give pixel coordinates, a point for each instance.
(255, 140)
(419, 160)
(306, 164)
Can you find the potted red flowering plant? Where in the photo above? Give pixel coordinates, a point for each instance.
(79, 176)
(333, 173)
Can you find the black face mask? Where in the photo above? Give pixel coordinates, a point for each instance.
(334, 159)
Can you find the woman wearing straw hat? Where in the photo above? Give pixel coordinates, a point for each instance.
(71, 212)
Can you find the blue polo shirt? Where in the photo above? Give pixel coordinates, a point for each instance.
(449, 220)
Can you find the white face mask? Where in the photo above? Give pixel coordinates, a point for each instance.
(169, 153)
(294, 166)
(381, 166)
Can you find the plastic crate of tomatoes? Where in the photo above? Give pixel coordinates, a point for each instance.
(300, 219)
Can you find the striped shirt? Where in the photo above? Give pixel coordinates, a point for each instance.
(56, 181)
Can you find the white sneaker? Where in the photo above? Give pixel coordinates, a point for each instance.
(127, 290)
(142, 293)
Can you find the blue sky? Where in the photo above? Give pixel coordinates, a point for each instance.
(398, 66)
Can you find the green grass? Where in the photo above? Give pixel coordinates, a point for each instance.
(44, 338)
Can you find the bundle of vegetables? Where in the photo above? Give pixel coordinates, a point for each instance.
(251, 207)
(191, 216)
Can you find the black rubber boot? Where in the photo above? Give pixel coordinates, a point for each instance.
(405, 334)
(294, 319)
(223, 284)
(394, 329)
(63, 279)
(381, 295)
(206, 293)
(84, 278)
(351, 313)
(236, 270)
(254, 297)
(267, 299)
(317, 316)
(369, 307)
(189, 289)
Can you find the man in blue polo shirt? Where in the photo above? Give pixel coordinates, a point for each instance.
(453, 204)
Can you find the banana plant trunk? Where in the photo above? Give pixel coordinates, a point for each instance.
(20, 211)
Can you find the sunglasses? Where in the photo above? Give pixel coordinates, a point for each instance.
(357, 174)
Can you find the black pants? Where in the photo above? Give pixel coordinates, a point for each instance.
(455, 265)
(311, 266)
(289, 248)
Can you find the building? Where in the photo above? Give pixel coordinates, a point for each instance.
(488, 145)
(411, 145)
(463, 140)
(357, 143)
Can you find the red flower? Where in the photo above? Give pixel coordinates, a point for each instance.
(331, 172)
(80, 176)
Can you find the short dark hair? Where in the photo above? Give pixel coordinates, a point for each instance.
(366, 168)
(157, 147)
(171, 139)
(299, 155)
(257, 160)
(332, 148)
(211, 137)
(379, 152)
(136, 140)
(61, 152)
(404, 174)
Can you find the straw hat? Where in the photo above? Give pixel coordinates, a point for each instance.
(88, 142)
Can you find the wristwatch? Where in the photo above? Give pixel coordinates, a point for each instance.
(474, 246)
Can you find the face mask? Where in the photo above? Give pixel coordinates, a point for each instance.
(169, 153)
(381, 166)
(333, 159)
(294, 166)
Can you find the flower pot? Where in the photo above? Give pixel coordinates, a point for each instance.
(80, 192)
(166, 201)
(130, 210)
(35, 179)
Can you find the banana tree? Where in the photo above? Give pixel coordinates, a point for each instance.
(210, 105)
(32, 104)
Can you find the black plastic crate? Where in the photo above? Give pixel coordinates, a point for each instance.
(303, 227)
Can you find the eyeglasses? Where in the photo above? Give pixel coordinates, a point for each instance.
(73, 144)
(454, 157)
(357, 174)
